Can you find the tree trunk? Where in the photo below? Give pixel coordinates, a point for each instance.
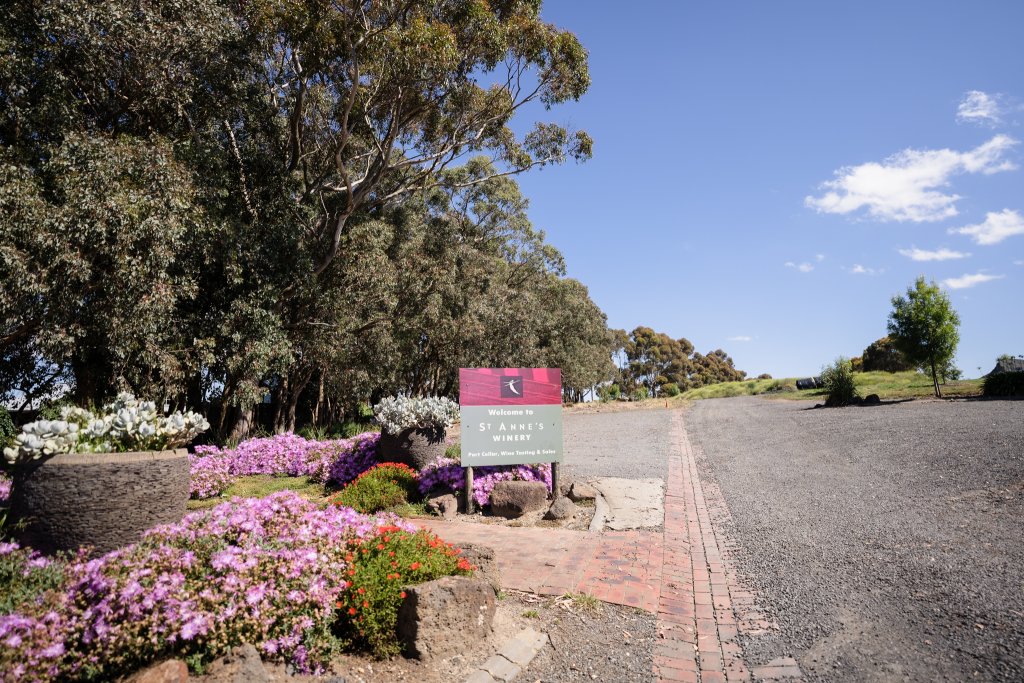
(242, 425)
(935, 381)
(280, 399)
(293, 402)
(92, 372)
(318, 405)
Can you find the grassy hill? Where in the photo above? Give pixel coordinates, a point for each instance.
(888, 385)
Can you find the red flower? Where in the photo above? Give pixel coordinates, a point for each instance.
(380, 546)
(402, 595)
(365, 603)
(361, 591)
(414, 565)
(352, 611)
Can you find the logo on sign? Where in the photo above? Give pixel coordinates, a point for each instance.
(511, 387)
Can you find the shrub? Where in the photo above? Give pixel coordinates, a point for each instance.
(764, 375)
(447, 472)
(610, 392)
(837, 381)
(1004, 384)
(7, 429)
(379, 488)
(883, 356)
(268, 571)
(398, 413)
(350, 428)
(670, 389)
(379, 568)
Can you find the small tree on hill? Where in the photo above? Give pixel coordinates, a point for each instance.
(924, 328)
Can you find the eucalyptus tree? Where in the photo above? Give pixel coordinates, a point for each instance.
(245, 147)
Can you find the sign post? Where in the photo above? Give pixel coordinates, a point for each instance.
(510, 416)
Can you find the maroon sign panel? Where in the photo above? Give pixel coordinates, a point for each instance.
(510, 386)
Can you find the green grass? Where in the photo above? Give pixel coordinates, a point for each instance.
(584, 601)
(749, 387)
(263, 485)
(888, 386)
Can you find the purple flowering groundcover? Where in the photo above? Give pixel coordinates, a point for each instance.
(448, 472)
(264, 570)
(333, 462)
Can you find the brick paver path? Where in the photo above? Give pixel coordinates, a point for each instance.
(684, 575)
(621, 567)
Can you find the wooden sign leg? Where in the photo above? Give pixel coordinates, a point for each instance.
(469, 490)
(555, 480)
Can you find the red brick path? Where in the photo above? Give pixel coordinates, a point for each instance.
(685, 575)
(620, 567)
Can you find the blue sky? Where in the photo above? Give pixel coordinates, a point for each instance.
(766, 176)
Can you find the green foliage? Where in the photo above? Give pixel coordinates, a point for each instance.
(7, 428)
(51, 410)
(924, 328)
(379, 488)
(1004, 384)
(382, 567)
(883, 355)
(27, 579)
(453, 451)
(210, 201)
(838, 383)
(609, 392)
(670, 389)
(655, 359)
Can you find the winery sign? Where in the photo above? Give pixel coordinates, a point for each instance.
(510, 416)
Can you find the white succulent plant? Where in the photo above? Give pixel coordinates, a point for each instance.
(127, 424)
(398, 413)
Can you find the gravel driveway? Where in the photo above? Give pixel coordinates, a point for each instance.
(888, 541)
(632, 444)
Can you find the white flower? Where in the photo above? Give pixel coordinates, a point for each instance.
(125, 424)
(397, 413)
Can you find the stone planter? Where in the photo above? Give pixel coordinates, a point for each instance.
(103, 500)
(415, 447)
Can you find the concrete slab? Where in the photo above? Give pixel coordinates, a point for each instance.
(632, 503)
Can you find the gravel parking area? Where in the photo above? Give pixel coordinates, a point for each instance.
(886, 541)
(632, 444)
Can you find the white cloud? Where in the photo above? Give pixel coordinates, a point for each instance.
(858, 269)
(996, 228)
(980, 108)
(1018, 263)
(819, 257)
(905, 187)
(966, 281)
(943, 254)
(740, 338)
(802, 267)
